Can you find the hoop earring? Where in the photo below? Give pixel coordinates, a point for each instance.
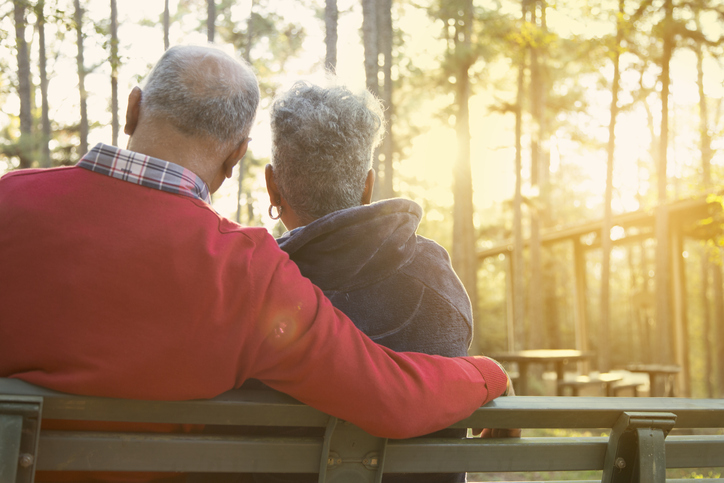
(279, 212)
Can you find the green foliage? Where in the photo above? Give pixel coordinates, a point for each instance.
(694, 475)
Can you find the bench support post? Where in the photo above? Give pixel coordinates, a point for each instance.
(19, 434)
(636, 452)
(349, 455)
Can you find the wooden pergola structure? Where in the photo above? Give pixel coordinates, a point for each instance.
(638, 226)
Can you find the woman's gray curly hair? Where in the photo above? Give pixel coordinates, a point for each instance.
(322, 143)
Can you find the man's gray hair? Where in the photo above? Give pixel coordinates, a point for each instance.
(202, 91)
(322, 143)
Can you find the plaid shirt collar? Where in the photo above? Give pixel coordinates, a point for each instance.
(145, 171)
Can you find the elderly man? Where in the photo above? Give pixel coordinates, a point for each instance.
(119, 279)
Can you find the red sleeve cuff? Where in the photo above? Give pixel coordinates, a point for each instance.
(496, 380)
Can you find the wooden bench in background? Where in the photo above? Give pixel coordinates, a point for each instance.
(661, 377)
(575, 384)
(639, 447)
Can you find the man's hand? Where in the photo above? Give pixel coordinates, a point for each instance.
(510, 391)
(499, 432)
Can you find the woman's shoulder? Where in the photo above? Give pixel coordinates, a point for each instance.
(431, 255)
(431, 267)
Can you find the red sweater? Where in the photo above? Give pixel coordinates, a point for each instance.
(113, 289)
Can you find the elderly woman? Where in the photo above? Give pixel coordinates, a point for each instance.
(398, 287)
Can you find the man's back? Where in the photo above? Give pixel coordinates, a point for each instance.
(122, 288)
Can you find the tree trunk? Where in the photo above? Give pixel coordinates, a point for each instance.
(544, 159)
(24, 87)
(464, 258)
(42, 64)
(249, 208)
(644, 311)
(384, 11)
(369, 39)
(704, 136)
(166, 25)
(535, 333)
(249, 33)
(551, 309)
(518, 269)
(240, 189)
(662, 222)
(211, 20)
(330, 39)
(372, 68)
(705, 148)
(242, 164)
(633, 336)
(115, 123)
(83, 130)
(604, 356)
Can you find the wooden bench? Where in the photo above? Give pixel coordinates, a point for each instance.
(661, 377)
(625, 385)
(579, 382)
(639, 447)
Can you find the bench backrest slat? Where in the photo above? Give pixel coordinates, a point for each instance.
(591, 412)
(80, 451)
(347, 448)
(243, 407)
(84, 451)
(270, 408)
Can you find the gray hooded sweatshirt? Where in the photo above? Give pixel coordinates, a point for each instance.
(397, 287)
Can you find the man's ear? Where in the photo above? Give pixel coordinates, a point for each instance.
(271, 186)
(235, 156)
(133, 110)
(369, 186)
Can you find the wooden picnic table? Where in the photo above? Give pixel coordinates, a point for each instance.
(559, 357)
(660, 376)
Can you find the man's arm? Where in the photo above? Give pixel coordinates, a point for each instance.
(310, 350)
(500, 432)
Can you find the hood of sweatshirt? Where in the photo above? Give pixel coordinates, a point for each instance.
(355, 247)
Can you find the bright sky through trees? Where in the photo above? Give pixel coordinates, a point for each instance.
(432, 153)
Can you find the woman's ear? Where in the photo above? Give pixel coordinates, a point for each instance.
(271, 186)
(369, 186)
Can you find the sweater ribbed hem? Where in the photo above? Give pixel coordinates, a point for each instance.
(496, 380)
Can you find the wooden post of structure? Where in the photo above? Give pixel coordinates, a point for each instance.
(510, 300)
(581, 323)
(662, 338)
(680, 329)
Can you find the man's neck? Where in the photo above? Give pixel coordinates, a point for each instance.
(178, 150)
